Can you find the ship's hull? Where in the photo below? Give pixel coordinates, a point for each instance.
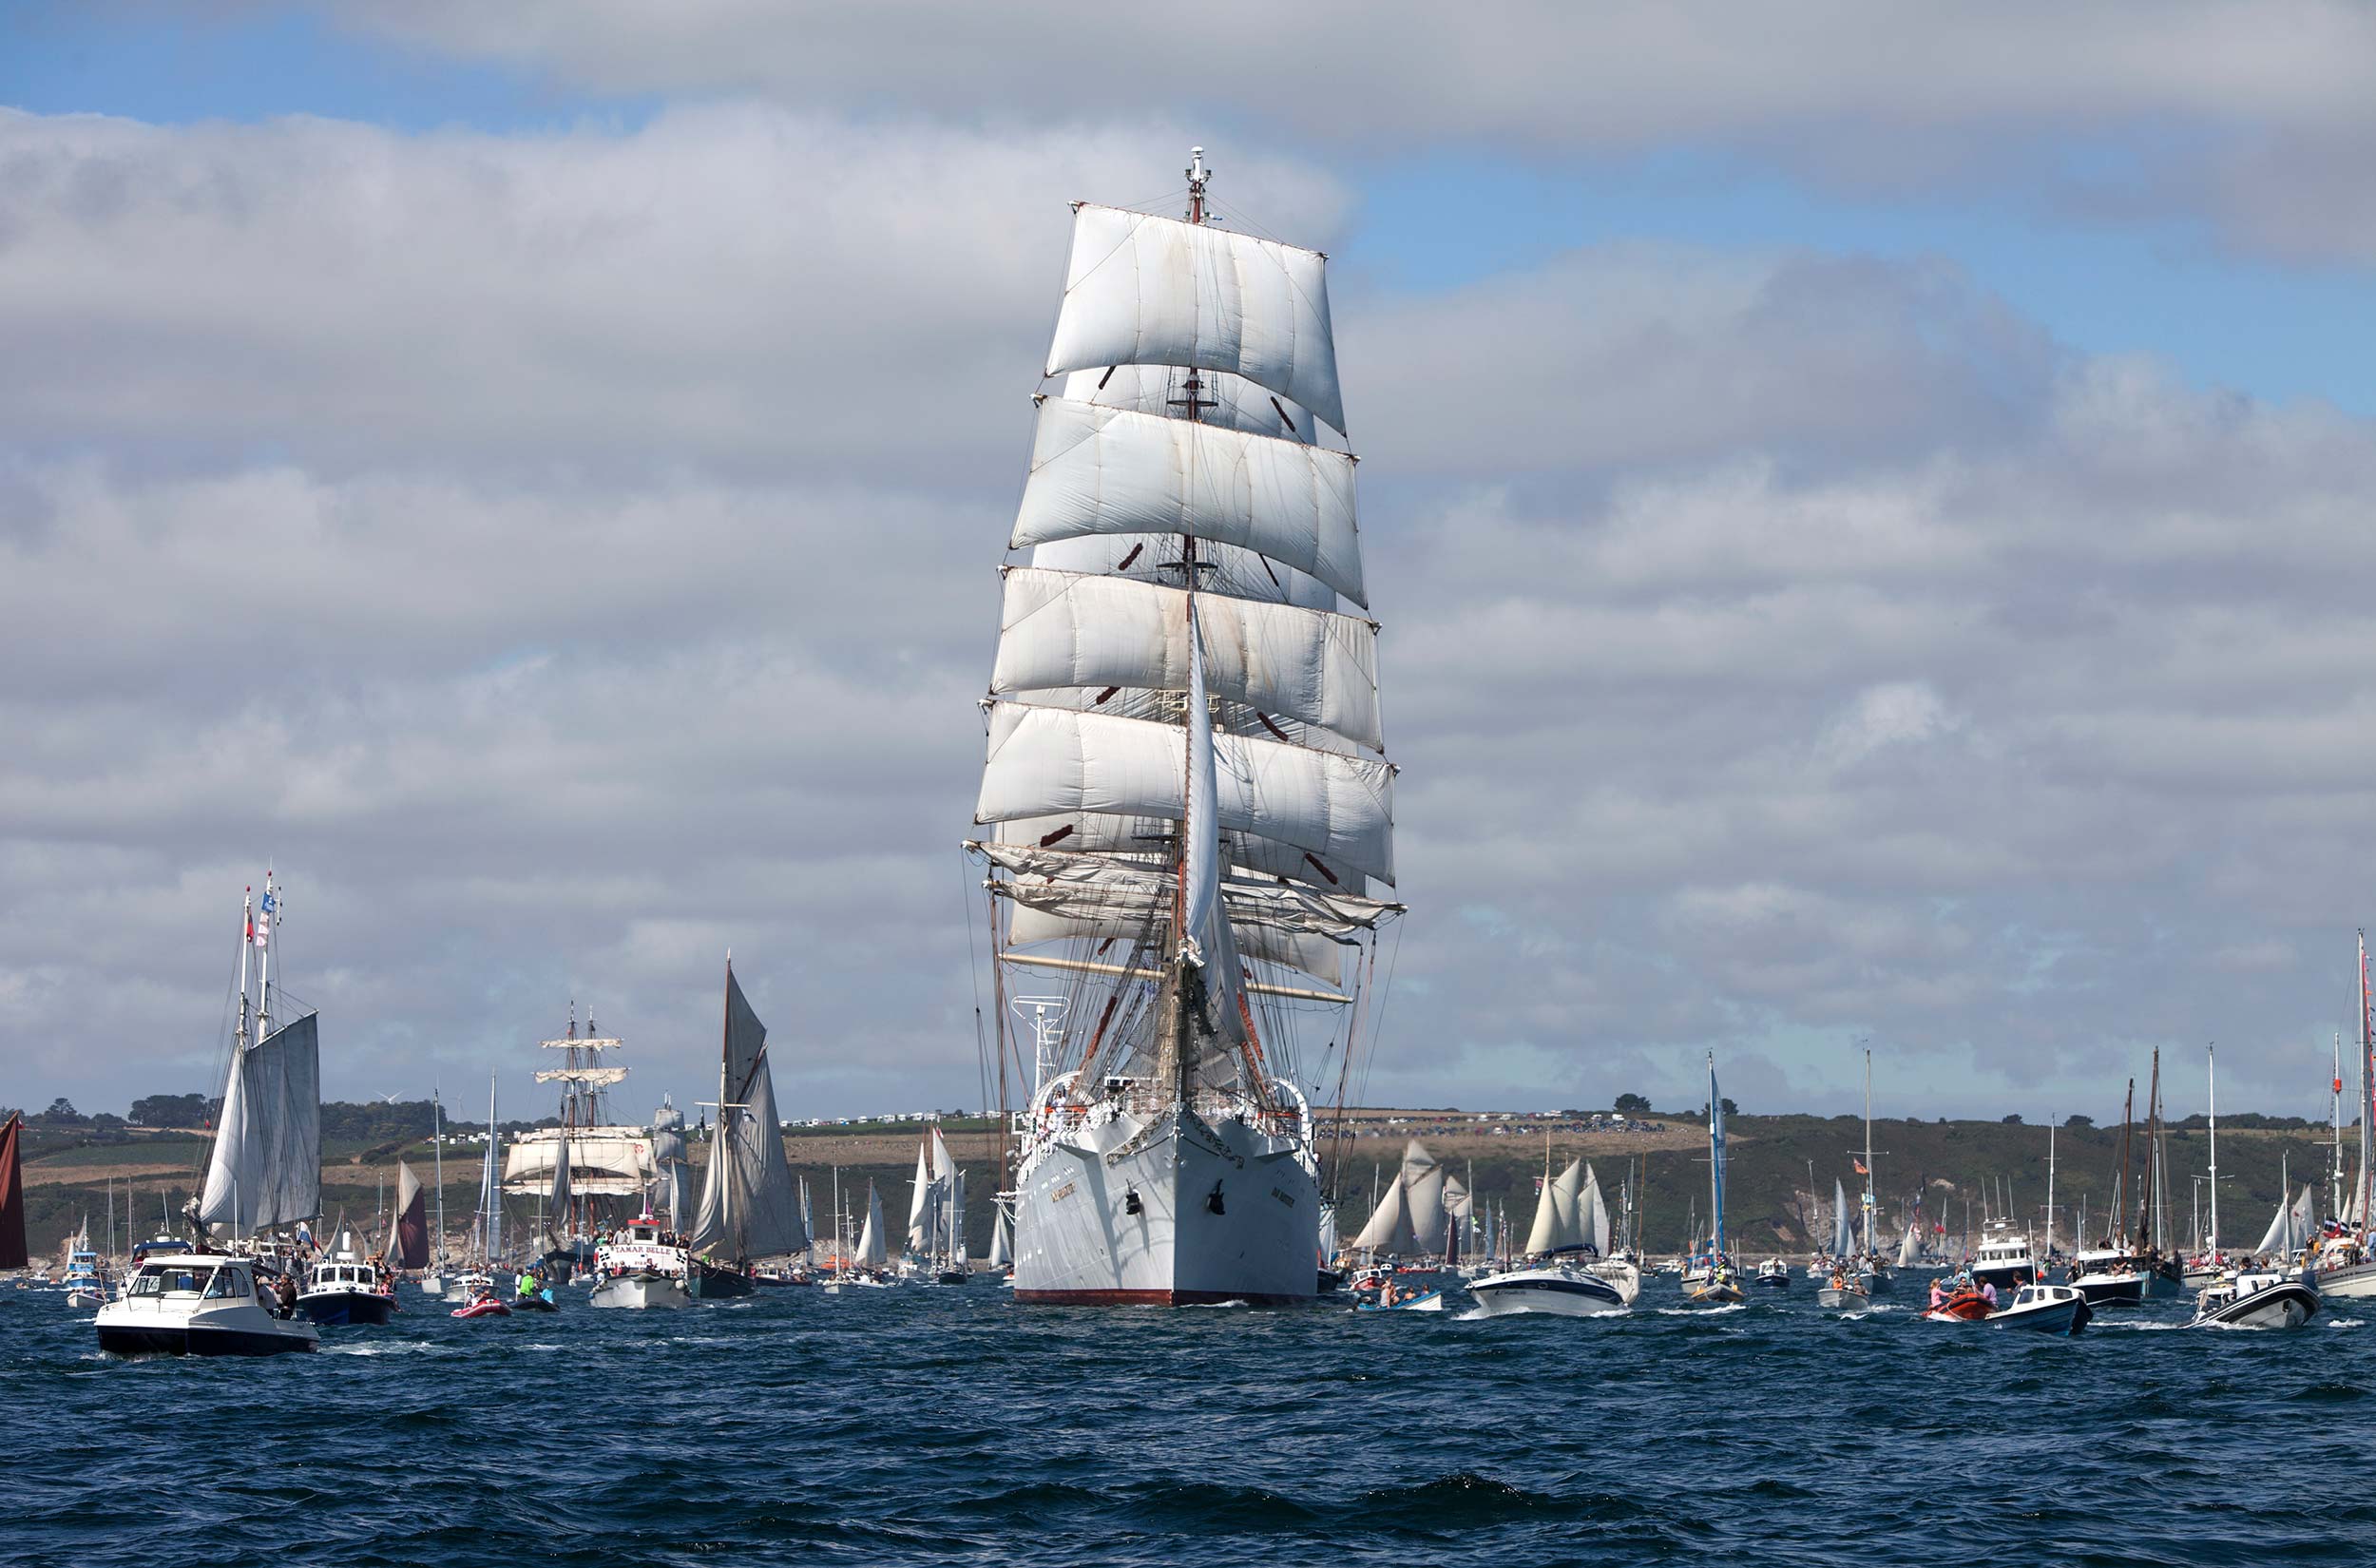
(1169, 1212)
(341, 1309)
(637, 1291)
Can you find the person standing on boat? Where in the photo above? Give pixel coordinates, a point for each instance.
(285, 1291)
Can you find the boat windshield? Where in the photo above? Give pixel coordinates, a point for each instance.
(170, 1279)
(228, 1282)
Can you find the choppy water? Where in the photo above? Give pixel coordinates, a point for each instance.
(952, 1427)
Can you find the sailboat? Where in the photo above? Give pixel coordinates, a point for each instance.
(13, 1254)
(1719, 1284)
(1184, 765)
(477, 1278)
(2346, 1261)
(749, 1209)
(264, 1171)
(937, 1210)
(1872, 1271)
(607, 1162)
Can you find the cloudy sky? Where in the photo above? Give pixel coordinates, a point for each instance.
(1870, 507)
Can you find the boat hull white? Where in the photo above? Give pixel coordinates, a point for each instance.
(2354, 1282)
(1171, 1210)
(2287, 1304)
(1562, 1292)
(637, 1292)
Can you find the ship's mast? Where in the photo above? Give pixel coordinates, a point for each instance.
(2368, 1087)
(2211, 1082)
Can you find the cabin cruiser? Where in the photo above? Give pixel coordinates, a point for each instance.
(1774, 1274)
(202, 1304)
(2005, 1259)
(2110, 1276)
(2260, 1298)
(1560, 1288)
(85, 1279)
(344, 1288)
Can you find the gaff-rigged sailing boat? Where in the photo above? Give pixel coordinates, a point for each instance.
(12, 1195)
(936, 1215)
(266, 1169)
(749, 1208)
(1185, 765)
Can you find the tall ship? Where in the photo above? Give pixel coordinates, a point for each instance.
(590, 1172)
(1190, 804)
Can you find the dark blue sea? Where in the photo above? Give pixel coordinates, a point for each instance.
(953, 1427)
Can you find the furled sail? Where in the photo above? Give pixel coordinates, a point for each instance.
(1107, 470)
(1229, 401)
(1843, 1234)
(1046, 761)
(266, 1170)
(1065, 629)
(1388, 1229)
(13, 1254)
(748, 1209)
(409, 1247)
(1141, 290)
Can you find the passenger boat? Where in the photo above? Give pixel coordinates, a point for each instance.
(641, 1265)
(202, 1304)
(2256, 1299)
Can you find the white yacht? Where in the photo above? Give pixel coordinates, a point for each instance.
(2256, 1299)
(202, 1304)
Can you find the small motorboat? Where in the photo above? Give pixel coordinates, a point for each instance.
(482, 1307)
(1774, 1274)
(2261, 1299)
(1963, 1305)
(1718, 1289)
(85, 1298)
(1427, 1301)
(2047, 1308)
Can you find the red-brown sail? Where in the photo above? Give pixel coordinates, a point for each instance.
(11, 1199)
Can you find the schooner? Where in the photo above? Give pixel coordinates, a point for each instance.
(1185, 774)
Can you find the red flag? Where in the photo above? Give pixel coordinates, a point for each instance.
(1860, 1167)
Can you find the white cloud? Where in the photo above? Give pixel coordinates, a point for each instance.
(2253, 118)
(571, 554)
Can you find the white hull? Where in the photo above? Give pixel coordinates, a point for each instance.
(638, 1291)
(1077, 1240)
(2356, 1282)
(1564, 1292)
(180, 1322)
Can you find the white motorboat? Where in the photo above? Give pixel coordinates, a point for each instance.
(202, 1304)
(1559, 1289)
(2042, 1309)
(1774, 1274)
(2256, 1299)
